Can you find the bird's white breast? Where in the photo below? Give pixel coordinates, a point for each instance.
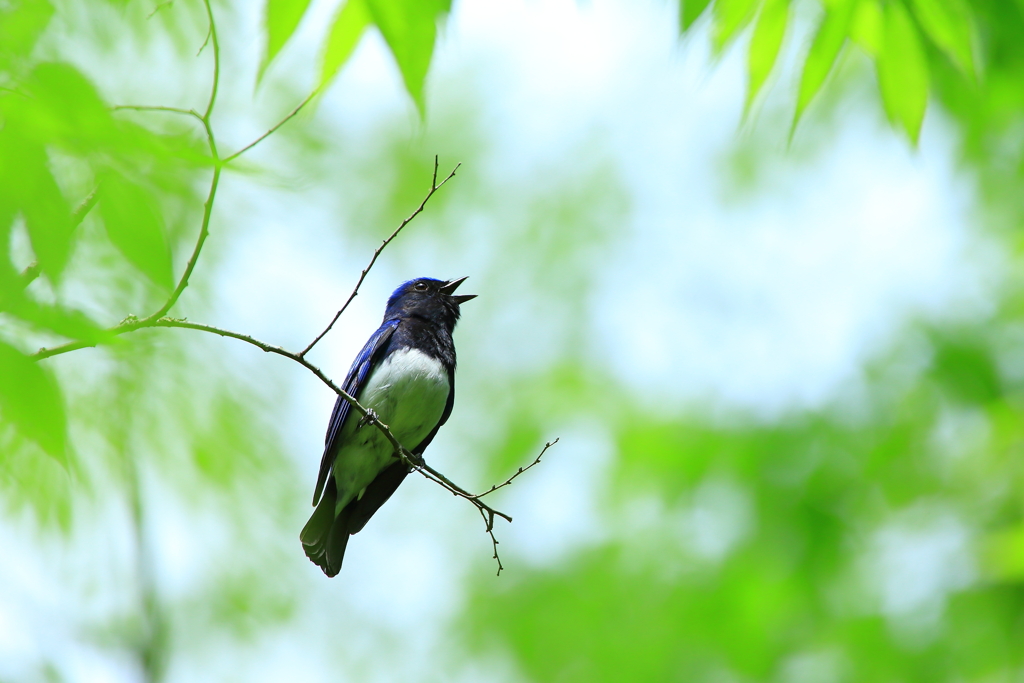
(408, 391)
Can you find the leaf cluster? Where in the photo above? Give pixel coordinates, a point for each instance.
(409, 28)
(907, 41)
(66, 155)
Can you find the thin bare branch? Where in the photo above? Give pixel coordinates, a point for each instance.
(280, 351)
(270, 132)
(206, 41)
(520, 471)
(434, 187)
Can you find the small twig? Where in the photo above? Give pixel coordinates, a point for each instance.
(489, 521)
(508, 481)
(206, 42)
(204, 231)
(132, 323)
(486, 511)
(159, 7)
(77, 216)
(417, 463)
(434, 187)
(211, 36)
(280, 123)
(147, 107)
(204, 228)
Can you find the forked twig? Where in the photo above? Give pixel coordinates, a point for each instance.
(521, 470)
(155, 107)
(434, 187)
(486, 511)
(270, 132)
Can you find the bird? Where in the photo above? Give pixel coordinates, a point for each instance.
(404, 375)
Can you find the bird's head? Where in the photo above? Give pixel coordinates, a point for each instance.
(427, 298)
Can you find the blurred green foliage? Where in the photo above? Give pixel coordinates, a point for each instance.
(821, 516)
(801, 587)
(408, 26)
(909, 43)
(798, 581)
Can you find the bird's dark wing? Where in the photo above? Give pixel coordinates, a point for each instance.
(376, 494)
(357, 375)
(387, 482)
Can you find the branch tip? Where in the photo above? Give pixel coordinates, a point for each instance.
(377, 252)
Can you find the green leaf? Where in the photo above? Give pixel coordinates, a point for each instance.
(67, 110)
(352, 20)
(20, 26)
(135, 226)
(27, 184)
(48, 218)
(765, 43)
(63, 321)
(409, 27)
(30, 400)
(828, 41)
(948, 23)
(866, 26)
(690, 11)
(14, 301)
(903, 71)
(729, 17)
(282, 19)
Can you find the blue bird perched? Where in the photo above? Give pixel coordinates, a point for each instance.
(406, 375)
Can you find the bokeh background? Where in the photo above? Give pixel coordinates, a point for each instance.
(785, 363)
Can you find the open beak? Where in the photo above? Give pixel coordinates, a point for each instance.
(450, 287)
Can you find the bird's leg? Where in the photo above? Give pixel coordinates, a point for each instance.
(370, 416)
(415, 459)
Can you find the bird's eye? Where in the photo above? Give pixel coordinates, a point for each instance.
(421, 286)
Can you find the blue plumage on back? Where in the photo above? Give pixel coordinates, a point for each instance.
(406, 374)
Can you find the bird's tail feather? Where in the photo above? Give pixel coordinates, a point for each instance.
(325, 535)
(337, 541)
